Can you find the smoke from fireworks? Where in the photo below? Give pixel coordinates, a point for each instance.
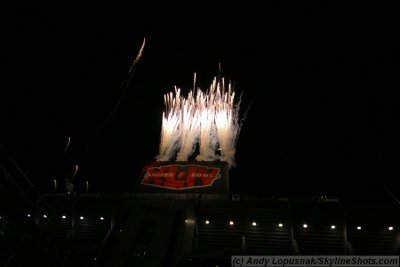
(208, 118)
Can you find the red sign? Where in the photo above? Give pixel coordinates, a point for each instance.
(181, 177)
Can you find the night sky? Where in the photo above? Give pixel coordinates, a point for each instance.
(318, 90)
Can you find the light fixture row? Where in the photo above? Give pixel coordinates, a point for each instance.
(65, 217)
(280, 225)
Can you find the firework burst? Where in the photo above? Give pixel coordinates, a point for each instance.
(209, 119)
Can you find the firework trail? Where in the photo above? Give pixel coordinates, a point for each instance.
(67, 144)
(190, 128)
(226, 121)
(170, 129)
(124, 86)
(208, 133)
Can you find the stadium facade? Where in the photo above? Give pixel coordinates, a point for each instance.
(183, 214)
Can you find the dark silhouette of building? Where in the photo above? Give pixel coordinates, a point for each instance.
(197, 225)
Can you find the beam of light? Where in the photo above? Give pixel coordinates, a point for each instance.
(170, 128)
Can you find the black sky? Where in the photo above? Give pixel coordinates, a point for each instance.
(318, 84)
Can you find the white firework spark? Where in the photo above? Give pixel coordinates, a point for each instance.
(226, 121)
(170, 129)
(190, 127)
(210, 119)
(208, 132)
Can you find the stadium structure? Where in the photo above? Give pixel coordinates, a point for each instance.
(182, 214)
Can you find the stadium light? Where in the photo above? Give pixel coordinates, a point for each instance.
(305, 225)
(44, 216)
(358, 227)
(231, 223)
(254, 224)
(333, 227)
(64, 217)
(81, 217)
(102, 218)
(390, 228)
(207, 222)
(280, 225)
